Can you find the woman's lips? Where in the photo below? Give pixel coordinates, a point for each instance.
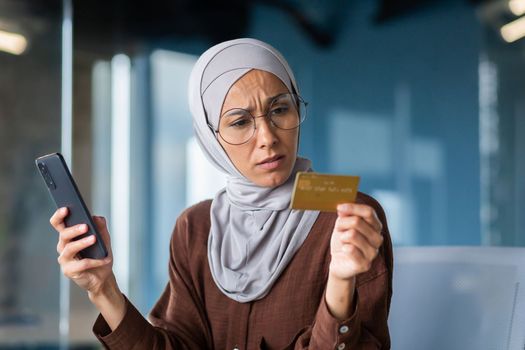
(272, 164)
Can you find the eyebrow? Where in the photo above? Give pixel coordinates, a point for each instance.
(268, 100)
(232, 112)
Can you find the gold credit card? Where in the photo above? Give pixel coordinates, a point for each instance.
(314, 191)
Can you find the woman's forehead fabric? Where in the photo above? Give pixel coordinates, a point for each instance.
(242, 57)
(230, 64)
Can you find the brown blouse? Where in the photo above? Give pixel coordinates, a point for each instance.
(192, 313)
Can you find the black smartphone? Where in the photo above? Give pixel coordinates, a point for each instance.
(64, 191)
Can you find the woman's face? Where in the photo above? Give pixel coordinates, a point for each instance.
(267, 159)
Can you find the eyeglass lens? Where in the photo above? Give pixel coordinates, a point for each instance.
(237, 125)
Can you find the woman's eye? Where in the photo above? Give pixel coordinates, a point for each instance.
(240, 123)
(280, 110)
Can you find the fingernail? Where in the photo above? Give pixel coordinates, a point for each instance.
(342, 207)
(63, 210)
(82, 227)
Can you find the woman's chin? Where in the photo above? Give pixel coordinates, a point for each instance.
(273, 179)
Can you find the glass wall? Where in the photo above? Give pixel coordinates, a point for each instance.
(30, 112)
(502, 132)
(181, 175)
(397, 104)
(404, 104)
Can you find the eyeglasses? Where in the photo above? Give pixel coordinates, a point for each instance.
(286, 111)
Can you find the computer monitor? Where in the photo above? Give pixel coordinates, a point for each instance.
(458, 298)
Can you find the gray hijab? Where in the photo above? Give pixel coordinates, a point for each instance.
(253, 234)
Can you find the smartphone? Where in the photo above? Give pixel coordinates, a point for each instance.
(64, 192)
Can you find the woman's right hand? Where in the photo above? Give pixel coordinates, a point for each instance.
(94, 275)
(90, 274)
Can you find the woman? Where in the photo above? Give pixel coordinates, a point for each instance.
(245, 271)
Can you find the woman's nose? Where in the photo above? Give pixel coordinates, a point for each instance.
(265, 131)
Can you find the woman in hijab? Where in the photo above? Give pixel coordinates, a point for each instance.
(247, 272)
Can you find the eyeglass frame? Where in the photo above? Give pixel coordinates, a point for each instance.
(299, 100)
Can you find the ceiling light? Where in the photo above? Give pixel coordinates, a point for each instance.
(514, 30)
(517, 7)
(12, 43)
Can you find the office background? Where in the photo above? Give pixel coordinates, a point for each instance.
(424, 100)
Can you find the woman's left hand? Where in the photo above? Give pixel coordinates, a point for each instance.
(355, 241)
